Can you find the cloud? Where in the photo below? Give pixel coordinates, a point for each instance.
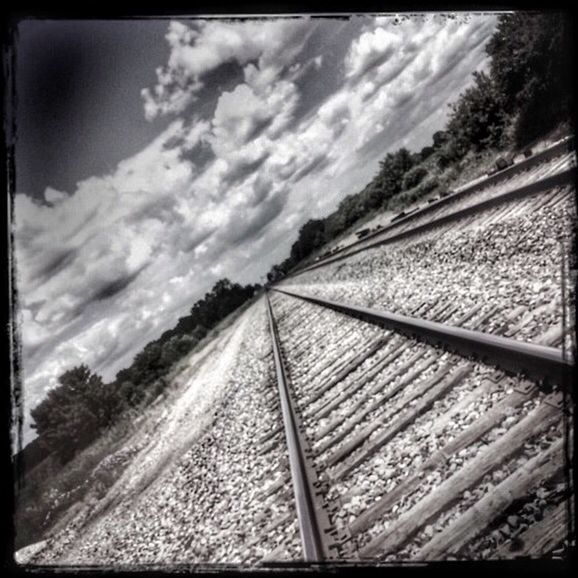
(251, 110)
(53, 196)
(429, 69)
(371, 50)
(197, 50)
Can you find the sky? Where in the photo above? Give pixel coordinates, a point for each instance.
(155, 157)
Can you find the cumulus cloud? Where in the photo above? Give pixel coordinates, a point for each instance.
(249, 110)
(370, 50)
(197, 50)
(394, 65)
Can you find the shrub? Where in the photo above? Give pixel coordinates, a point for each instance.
(413, 177)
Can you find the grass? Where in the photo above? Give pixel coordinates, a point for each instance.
(51, 494)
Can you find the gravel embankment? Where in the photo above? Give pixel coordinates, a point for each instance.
(459, 202)
(211, 505)
(526, 176)
(212, 485)
(510, 268)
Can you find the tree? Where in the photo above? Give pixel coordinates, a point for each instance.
(439, 138)
(532, 68)
(72, 414)
(275, 274)
(413, 177)
(392, 170)
(478, 118)
(426, 152)
(311, 236)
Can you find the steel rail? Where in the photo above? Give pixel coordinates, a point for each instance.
(310, 528)
(536, 361)
(565, 176)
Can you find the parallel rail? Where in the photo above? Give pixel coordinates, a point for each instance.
(313, 522)
(362, 432)
(536, 361)
(563, 178)
(331, 443)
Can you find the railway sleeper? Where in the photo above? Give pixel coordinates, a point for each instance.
(449, 492)
(540, 538)
(366, 376)
(337, 364)
(429, 392)
(365, 432)
(282, 481)
(488, 421)
(476, 519)
(488, 385)
(348, 368)
(355, 420)
(283, 519)
(277, 429)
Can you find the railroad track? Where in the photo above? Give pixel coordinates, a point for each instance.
(553, 167)
(411, 420)
(468, 394)
(415, 452)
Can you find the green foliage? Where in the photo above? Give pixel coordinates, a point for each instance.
(525, 93)
(413, 177)
(426, 152)
(82, 406)
(143, 380)
(532, 67)
(50, 489)
(311, 236)
(409, 196)
(73, 413)
(392, 171)
(478, 118)
(439, 138)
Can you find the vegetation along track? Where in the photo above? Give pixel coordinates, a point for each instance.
(419, 453)
(553, 167)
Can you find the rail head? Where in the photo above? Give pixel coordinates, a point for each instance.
(546, 364)
(311, 522)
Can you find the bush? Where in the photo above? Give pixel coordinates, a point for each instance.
(412, 195)
(392, 171)
(478, 118)
(73, 413)
(413, 177)
(532, 67)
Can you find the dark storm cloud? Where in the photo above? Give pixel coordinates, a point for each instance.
(112, 288)
(59, 262)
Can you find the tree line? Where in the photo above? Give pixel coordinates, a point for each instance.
(82, 406)
(526, 92)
